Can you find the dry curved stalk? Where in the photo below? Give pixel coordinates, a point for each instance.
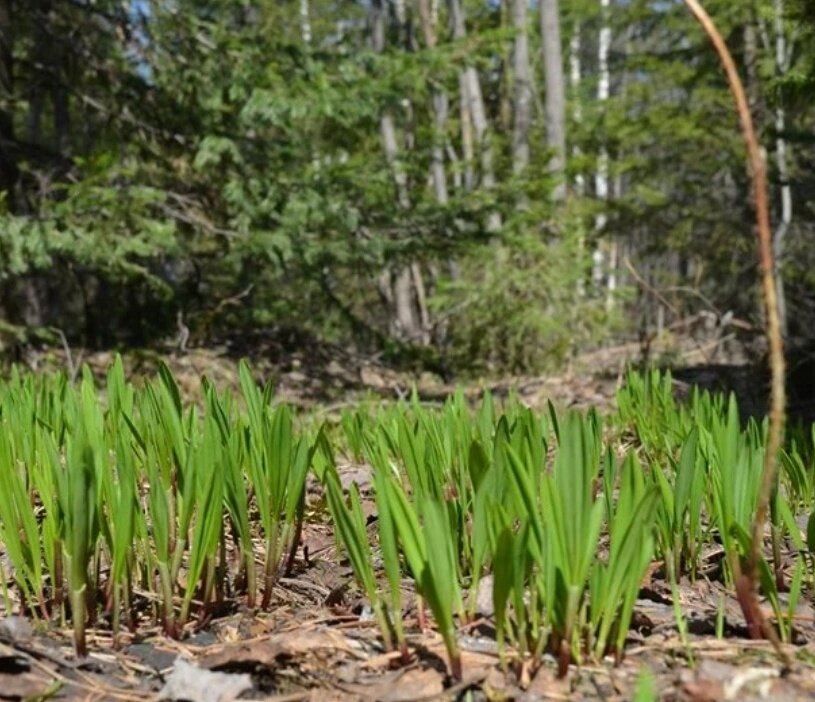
(746, 582)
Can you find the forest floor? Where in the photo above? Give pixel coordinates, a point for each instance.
(308, 649)
(327, 378)
(319, 642)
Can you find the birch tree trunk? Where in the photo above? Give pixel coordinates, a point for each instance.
(305, 22)
(505, 97)
(601, 176)
(575, 80)
(522, 94)
(614, 244)
(405, 323)
(778, 44)
(783, 57)
(751, 60)
(474, 101)
(441, 109)
(401, 12)
(467, 140)
(552, 54)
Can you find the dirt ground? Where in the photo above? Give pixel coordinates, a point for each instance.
(311, 375)
(318, 641)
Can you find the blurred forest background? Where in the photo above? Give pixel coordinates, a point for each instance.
(480, 186)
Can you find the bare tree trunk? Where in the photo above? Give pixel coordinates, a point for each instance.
(401, 11)
(505, 97)
(781, 48)
(751, 66)
(428, 16)
(601, 176)
(613, 253)
(458, 176)
(612, 279)
(783, 56)
(405, 324)
(434, 12)
(391, 146)
(465, 113)
(441, 109)
(552, 51)
(575, 79)
(480, 126)
(471, 94)
(305, 22)
(417, 279)
(467, 140)
(522, 112)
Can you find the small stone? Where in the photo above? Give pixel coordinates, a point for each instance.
(16, 629)
(483, 598)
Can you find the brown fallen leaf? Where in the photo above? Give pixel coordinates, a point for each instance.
(267, 652)
(23, 686)
(318, 694)
(400, 686)
(545, 684)
(702, 691)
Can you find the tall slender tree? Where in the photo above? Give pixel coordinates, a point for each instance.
(552, 50)
(601, 178)
(522, 75)
(473, 98)
(781, 48)
(399, 280)
(441, 109)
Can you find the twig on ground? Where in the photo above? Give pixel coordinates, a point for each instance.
(747, 593)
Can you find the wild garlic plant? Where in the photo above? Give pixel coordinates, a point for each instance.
(120, 499)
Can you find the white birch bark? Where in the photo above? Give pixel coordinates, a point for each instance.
(467, 146)
(305, 22)
(441, 109)
(458, 175)
(552, 51)
(522, 99)
(473, 99)
(782, 64)
(601, 175)
(401, 12)
(391, 146)
(405, 323)
(575, 79)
